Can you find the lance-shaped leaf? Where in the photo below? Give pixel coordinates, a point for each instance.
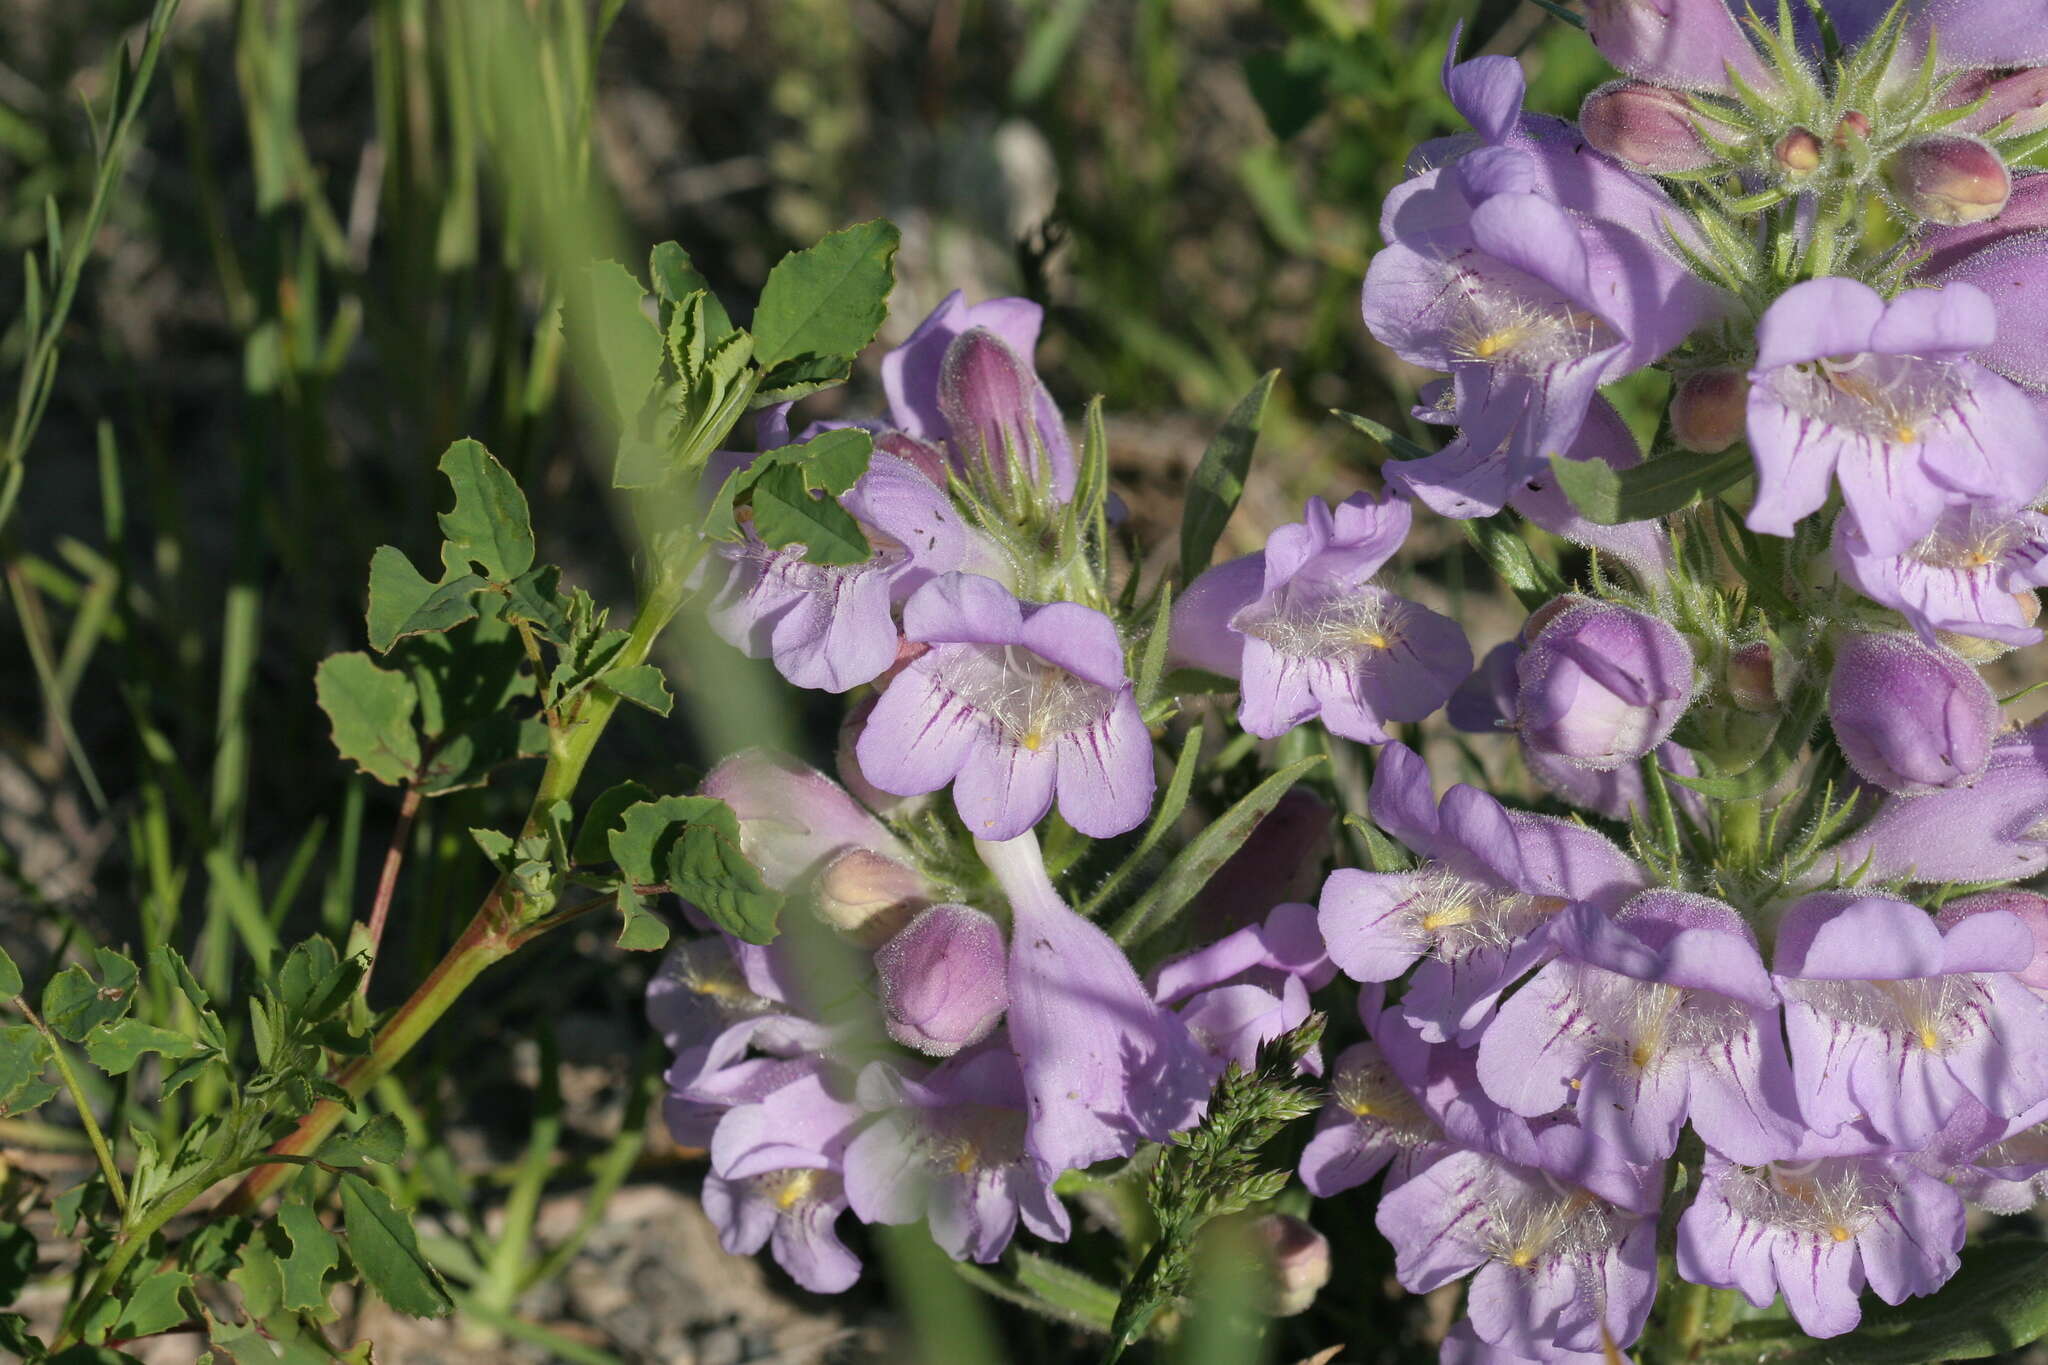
(827, 300)
(1653, 489)
(1218, 481)
(382, 1244)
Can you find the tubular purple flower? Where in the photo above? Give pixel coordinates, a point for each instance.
(1249, 987)
(1661, 1015)
(1557, 1264)
(1911, 718)
(943, 980)
(1373, 1121)
(1475, 912)
(1530, 308)
(1894, 1020)
(1691, 44)
(1601, 685)
(2007, 258)
(829, 626)
(792, 817)
(1994, 1163)
(1104, 1066)
(1994, 830)
(949, 1148)
(2014, 104)
(1974, 574)
(1884, 398)
(1320, 640)
(1012, 703)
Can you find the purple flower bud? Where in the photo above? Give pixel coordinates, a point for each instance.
(1601, 685)
(1294, 1263)
(990, 398)
(1911, 718)
(1646, 126)
(2029, 907)
(1854, 127)
(1709, 409)
(1798, 152)
(1752, 678)
(942, 980)
(869, 896)
(1950, 180)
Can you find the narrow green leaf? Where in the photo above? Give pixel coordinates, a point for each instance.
(1653, 489)
(116, 1046)
(828, 299)
(1163, 820)
(1218, 481)
(403, 602)
(382, 1244)
(676, 278)
(490, 525)
(1509, 556)
(1152, 659)
(10, 977)
(1397, 445)
(617, 338)
(370, 711)
(1191, 868)
(786, 512)
(643, 685)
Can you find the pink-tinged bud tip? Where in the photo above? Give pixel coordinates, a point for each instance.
(1295, 1261)
(1645, 126)
(1854, 127)
(943, 980)
(870, 896)
(1709, 410)
(1950, 180)
(1798, 152)
(1752, 678)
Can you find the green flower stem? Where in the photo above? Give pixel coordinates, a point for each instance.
(79, 1102)
(497, 930)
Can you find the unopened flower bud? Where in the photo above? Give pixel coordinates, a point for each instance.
(1910, 718)
(1294, 1261)
(2029, 906)
(869, 896)
(1950, 180)
(1601, 685)
(1752, 677)
(1798, 152)
(943, 980)
(1645, 126)
(989, 396)
(847, 761)
(2014, 104)
(1709, 410)
(1854, 127)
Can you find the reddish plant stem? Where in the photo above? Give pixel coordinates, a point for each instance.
(387, 881)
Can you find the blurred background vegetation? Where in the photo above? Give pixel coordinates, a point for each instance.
(329, 252)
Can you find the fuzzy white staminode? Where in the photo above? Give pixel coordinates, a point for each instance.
(1031, 701)
(1515, 327)
(1529, 1226)
(1892, 399)
(1929, 1012)
(1448, 916)
(1649, 1026)
(1354, 625)
(1827, 1199)
(1366, 1088)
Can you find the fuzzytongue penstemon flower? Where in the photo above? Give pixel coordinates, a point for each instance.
(1662, 1015)
(1310, 635)
(1014, 704)
(948, 1146)
(1884, 399)
(1896, 1023)
(1561, 1265)
(1476, 913)
(1974, 574)
(776, 1179)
